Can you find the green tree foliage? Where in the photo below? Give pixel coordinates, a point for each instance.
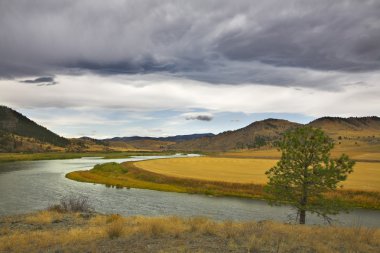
(306, 172)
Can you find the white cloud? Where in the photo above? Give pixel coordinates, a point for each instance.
(153, 93)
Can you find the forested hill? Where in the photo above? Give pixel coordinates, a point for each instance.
(12, 122)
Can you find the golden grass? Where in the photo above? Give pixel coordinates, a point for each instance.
(44, 217)
(259, 153)
(358, 150)
(174, 234)
(115, 228)
(366, 175)
(209, 168)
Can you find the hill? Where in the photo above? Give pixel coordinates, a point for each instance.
(17, 131)
(256, 135)
(353, 126)
(353, 131)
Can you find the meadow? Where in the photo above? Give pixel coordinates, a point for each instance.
(366, 175)
(234, 170)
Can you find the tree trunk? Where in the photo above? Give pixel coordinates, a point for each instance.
(302, 216)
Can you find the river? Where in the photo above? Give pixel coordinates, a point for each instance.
(34, 185)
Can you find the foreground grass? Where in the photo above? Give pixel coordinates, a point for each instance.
(130, 176)
(366, 175)
(50, 231)
(12, 157)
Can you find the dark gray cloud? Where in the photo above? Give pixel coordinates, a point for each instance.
(200, 117)
(217, 41)
(41, 81)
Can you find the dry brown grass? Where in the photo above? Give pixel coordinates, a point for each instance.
(44, 217)
(115, 227)
(105, 233)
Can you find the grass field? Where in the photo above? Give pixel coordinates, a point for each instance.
(210, 168)
(50, 231)
(366, 175)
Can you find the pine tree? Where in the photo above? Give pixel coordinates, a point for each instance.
(306, 172)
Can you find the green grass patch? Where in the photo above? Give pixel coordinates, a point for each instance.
(110, 167)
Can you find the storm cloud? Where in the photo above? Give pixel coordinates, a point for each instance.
(275, 42)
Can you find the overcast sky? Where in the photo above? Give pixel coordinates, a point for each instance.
(158, 68)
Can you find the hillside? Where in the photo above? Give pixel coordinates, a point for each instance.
(256, 135)
(16, 129)
(353, 126)
(348, 132)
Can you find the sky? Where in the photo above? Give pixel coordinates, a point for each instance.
(162, 68)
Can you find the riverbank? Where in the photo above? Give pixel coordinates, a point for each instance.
(128, 175)
(53, 231)
(12, 157)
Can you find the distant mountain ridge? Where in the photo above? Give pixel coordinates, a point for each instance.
(175, 138)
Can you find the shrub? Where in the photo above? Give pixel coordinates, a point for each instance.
(72, 204)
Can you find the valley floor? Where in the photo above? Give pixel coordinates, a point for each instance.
(52, 231)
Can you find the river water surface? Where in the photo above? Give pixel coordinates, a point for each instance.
(34, 185)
